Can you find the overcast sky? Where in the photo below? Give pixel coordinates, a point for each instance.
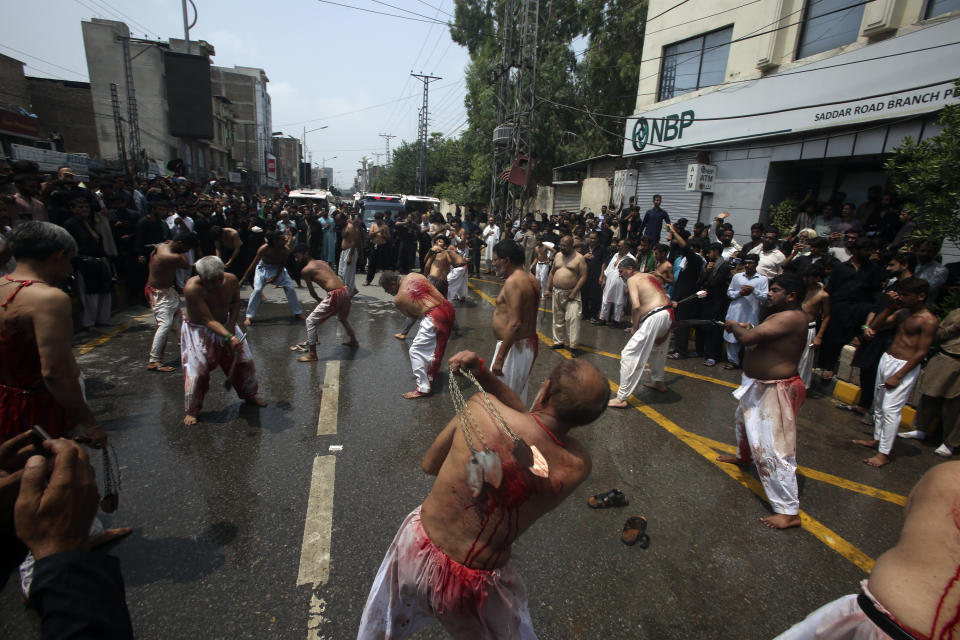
(328, 65)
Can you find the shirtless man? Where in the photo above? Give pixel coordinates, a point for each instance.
(567, 277)
(269, 264)
(162, 297)
(228, 243)
(816, 305)
(515, 319)
(766, 427)
(912, 589)
(416, 298)
(379, 234)
(664, 268)
(337, 302)
(450, 559)
(39, 377)
(349, 255)
(899, 367)
(540, 267)
(210, 337)
(439, 261)
(651, 315)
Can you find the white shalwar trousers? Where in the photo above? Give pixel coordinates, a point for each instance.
(166, 306)
(641, 347)
(566, 318)
(348, 272)
(766, 425)
(805, 367)
(888, 403)
(418, 583)
(430, 343)
(518, 364)
(614, 298)
(457, 283)
(542, 273)
(265, 272)
(842, 619)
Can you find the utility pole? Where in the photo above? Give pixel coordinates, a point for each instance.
(387, 137)
(118, 127)
(422, 133)
(133, 120)
(513, 135)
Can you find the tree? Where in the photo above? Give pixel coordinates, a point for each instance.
(926, 177)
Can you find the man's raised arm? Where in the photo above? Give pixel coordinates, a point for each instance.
(469, 361)
(773, 328)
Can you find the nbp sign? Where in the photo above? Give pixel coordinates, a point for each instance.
(662, 129)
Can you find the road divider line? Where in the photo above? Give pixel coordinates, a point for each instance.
(700, 445)
(329, 399)
(317, 530)
(90, 345)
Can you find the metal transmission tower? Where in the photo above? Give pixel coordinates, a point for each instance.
(422, 133)
(513, 136)
(133, 121)
(118, 125)
(387, 137)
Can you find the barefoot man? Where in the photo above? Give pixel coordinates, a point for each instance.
(770, 397)
(652, 315)
(269, 264)
(168, 257)
(439, 261)
(515, 319)
(228, 243)
(337, 303)
(912, 589)
(899, 367)
(567, 277)
(210, 338)
(416, 298)
(450, 560)
(349, 248)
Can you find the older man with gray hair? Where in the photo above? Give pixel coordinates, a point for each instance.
(210, 337)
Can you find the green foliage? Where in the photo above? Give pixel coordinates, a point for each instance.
(784, 215)
(949, 300)
(926, 175)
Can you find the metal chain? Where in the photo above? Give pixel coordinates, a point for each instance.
(468, 424)
(492, 410)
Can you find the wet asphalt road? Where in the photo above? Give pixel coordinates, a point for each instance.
(219, 509)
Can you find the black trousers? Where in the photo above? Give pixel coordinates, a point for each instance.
(710, 336)
(592, 298)
(685, 311)
(376, 260)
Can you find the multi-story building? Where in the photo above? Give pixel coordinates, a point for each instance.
(288, 151)
(221, 147)
(64, 109)
(246, 89)
(782, 97)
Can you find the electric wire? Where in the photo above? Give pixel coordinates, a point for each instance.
(382, 13)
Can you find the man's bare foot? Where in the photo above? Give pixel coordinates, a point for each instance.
(617, 403)
(257, 400)
(247, 321)
(416, 393)
(656, 386)
(879, 460)
(399, 336)
(869, 444)
(110, 535)
(310, 357)
(159, 366)
(189, 420)
(351, 343)
(732, 460)
(781, 521)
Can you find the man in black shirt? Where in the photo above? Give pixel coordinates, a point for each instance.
(595, 255)
(687, 283)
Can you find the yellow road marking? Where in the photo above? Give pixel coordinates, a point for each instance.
(487, 281)
(681, 372)
(491, 300)
(90, 345)
(705, 447)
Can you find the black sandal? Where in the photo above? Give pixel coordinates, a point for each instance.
(612, 498)
(634, 531)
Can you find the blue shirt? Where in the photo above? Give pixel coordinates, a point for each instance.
(652, 224)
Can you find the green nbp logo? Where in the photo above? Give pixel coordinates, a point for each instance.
(662, 129)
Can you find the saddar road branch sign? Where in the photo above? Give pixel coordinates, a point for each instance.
(908, 75)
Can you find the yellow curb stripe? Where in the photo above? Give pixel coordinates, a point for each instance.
(705, 447)
(90, 345)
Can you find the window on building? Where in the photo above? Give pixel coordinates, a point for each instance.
(940, 7)
(828, 24)
(695, 63)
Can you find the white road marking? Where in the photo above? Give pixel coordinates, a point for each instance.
(318, 618)
(315, 551)
(327, 420)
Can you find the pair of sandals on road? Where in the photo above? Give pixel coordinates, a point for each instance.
(634, 529)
